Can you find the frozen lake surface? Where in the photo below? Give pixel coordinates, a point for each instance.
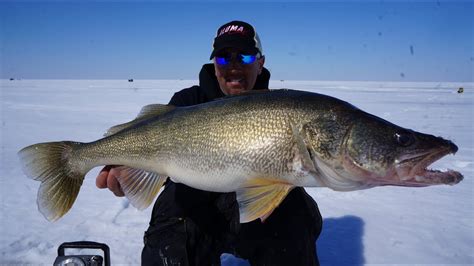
(384, 225)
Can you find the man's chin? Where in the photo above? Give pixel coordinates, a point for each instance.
(236, 90)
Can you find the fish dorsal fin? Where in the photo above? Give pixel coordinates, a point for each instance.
(153, 110)
(260, 197)
(139, 186)
(146, 112)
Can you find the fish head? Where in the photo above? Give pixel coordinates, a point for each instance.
(377, 152)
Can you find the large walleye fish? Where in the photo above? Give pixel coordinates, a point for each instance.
(259, 145)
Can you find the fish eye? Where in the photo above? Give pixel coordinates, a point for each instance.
(404, 139)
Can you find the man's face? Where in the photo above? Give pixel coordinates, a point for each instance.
(236, 77)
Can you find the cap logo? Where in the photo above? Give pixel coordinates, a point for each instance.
(238, 35)
(231, 29)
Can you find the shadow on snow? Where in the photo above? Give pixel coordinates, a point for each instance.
(340, 243)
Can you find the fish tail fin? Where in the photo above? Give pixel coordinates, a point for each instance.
(50, 163)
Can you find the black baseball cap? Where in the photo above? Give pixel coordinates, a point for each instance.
(237, 34)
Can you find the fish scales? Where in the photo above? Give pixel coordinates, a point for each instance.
(259, 145)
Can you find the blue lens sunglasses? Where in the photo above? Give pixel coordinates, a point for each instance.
(243, 59)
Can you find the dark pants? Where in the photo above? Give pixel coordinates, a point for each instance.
(287, 237)
(178, 242)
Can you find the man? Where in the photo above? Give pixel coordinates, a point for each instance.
(194, 227)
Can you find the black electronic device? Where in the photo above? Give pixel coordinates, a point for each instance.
(82, 260)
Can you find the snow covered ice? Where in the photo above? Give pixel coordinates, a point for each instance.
(383, 225)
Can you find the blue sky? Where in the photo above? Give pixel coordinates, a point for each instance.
(348, 40)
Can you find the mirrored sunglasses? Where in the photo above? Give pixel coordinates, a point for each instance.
(244, 59)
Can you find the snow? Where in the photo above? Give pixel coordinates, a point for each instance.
(385, 225)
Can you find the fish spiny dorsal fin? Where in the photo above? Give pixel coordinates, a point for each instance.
(153, 110)
(139, 186)
(147, 112)
(260, 197)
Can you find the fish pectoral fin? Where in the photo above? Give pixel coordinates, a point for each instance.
(139, 186)
(146, 112)
(260, 197)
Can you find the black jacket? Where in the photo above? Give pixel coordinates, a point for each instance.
(178, 200)
(287, 236)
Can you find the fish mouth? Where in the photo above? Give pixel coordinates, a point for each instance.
(413, 170)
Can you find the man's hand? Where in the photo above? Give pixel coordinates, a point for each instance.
(107, 179)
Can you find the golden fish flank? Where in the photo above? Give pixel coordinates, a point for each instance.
(259, 145)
